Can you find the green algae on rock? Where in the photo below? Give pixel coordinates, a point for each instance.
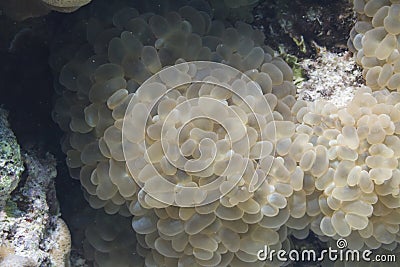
(11, 165)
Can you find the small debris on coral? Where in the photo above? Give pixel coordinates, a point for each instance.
(330, 76)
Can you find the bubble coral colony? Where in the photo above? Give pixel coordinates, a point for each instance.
(322, 169)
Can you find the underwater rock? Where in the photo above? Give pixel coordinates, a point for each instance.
(11, 165)
(31, 231)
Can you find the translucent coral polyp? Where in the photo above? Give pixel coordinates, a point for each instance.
(321, 168)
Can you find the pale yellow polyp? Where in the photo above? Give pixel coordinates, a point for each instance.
(209, 164)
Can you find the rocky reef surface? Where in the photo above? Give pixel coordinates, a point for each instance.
(10, 160)
(31, 230)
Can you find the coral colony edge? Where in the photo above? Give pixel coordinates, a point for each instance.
(188, 139)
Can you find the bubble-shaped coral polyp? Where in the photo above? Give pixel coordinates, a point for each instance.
(99, 88)
(297, 166)
(194, 132)
(363, 178)
(374, 41)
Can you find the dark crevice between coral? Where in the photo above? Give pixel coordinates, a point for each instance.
(295, 25)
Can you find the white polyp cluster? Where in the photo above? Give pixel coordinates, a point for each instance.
(203, 152)
(360, 185)
(211, 164)
(228, 154)
(374, 41)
